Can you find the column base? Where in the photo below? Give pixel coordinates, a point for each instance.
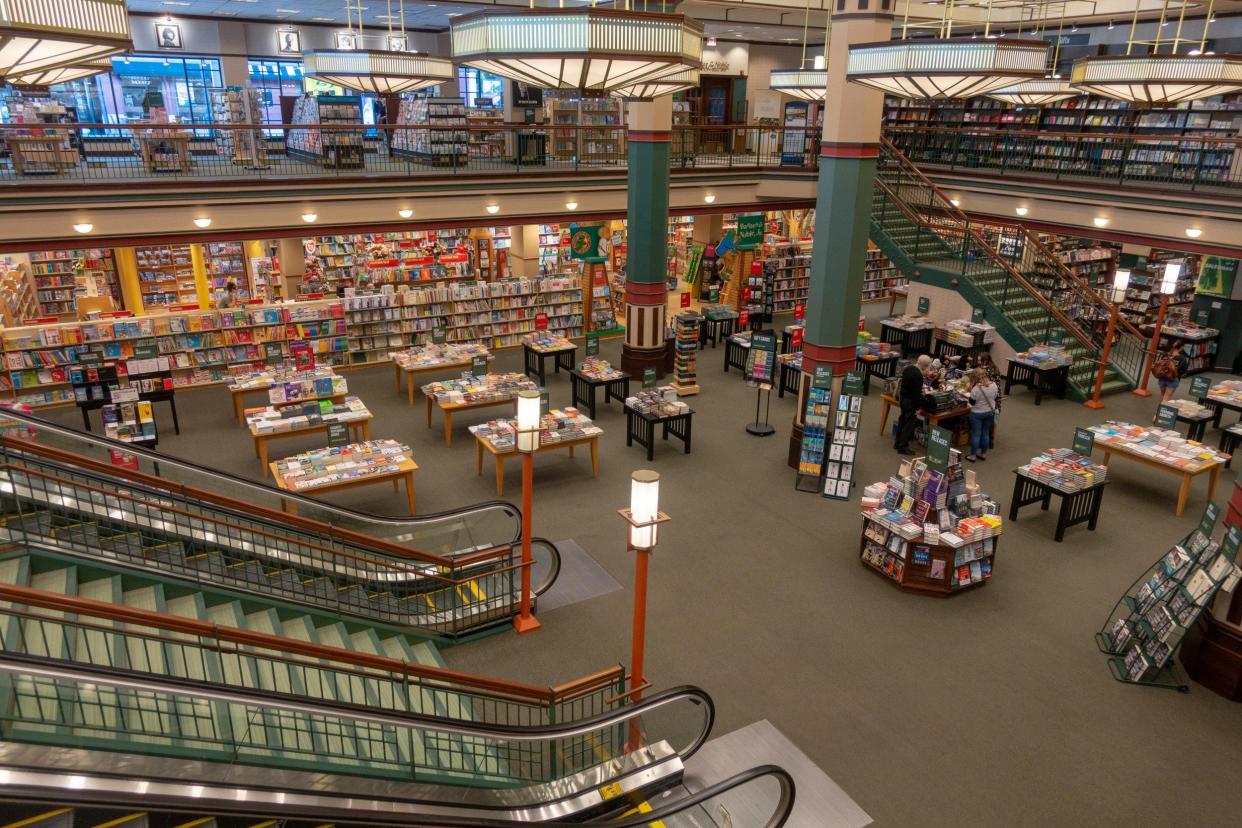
(636, 360)
(1212, 656)
(795, 447)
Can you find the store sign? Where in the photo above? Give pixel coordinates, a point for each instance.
(749, 231)
(685, 300)
(146, 350)
(584, 243)
(526, 96)
(853, 383)
(743, 317)
(799, 312)
(1207, 523)
(764, 342)
(1202, 317)
(1216, 277)
(924, 305)
(338, 435)
(439, 334)
(976, 315)
(592, 346)
(649, 378)
(1166, 416)
(90, 358)
(726, 59)
(1199, 387)
(822, 378)
(454, 258)
(1056, 339)
(478, 366)
(545, 401)
(1084, 441)
(795, 338)
(541, 321)
(938, 448)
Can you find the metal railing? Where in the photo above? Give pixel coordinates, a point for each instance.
(1189, 161)
(107, 153)
(1007, 261)
(72, 505)
(88, 674)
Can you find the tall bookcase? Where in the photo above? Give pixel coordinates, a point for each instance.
(444, 142)
(58, 283)
(601, 136)
(239, 105)
(335, 148)
(227, 261)
(166, 274)
(18, 298)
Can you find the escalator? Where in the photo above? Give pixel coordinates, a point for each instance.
(450, 575)
(104, 705)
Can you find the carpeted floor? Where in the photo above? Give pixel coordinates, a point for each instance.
(992, 708)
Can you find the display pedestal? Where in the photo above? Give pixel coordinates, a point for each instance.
(925, 568)
(764, 428)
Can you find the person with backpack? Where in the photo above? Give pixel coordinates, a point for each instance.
(1169, 368)
(984, 398)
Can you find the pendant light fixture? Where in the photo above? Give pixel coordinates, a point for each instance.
(945, 66)
(667, 85)
(1156, 78)
(807, 84)
(61, 74)
(601, 50)
(37, 35)
(380, 71)
(1045, 90)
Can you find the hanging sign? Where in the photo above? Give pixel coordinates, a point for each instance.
(1084, 441)
(541, 321)
(938, 448)
(924, 305)
(584, 243)
(338, 435)
(749, 231)
(1199, 387)
(592, 346)
(1166, 416)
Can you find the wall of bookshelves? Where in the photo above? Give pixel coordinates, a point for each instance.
(226, 262)
(166, 275)
(601, 137)
(57, 284)
(17, 292)
(239, 105)
(335, 148)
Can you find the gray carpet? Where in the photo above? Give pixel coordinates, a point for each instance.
(581, 579)
(991, 708)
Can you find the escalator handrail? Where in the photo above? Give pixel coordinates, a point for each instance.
(232, 480)
(102, 610)
(61, 670)
(780, 812)
(309, 525)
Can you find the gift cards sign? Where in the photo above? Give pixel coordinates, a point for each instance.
(1084, 441)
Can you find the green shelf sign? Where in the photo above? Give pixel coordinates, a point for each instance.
(1166, 416)
(924, 305)
(822, 378)
(1207, 523)
(1084, 441)
(1199, 387)
(649, 378)
(1230, 546)
(749, 231)
(545, 401)
(592, 346)
(853, 383)
(478, 366)
(338, 435)
(439, 334)
(976, 314)
(938, 440)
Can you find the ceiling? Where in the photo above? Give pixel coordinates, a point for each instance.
(770, 21)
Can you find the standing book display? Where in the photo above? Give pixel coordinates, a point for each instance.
(760, 366)
(839, 468)
(1150, 622)
(685, 379)
(815, 430)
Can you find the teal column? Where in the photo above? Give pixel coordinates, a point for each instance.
(647, 202)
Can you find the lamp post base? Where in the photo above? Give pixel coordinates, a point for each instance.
(1094, 405)
(1141, 392)
(526, 624)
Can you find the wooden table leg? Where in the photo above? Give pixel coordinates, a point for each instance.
(448, 428)
(429, 412)
(478, 457)
(284, 505)
(595, 457)
(293, 507)
(571, 452)
(884, 416)
(500, 475)
(1183, 493)
(262, 441)
(1212, 476)
(238, 407)
(409, 491)
(366, 430)
(257, 453)
(396, 484)
(397, 371)
(409, 388)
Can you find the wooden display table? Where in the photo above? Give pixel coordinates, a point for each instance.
(41, 154)
(481, 443)
(583, 389)
(360, 427)
(1081, 506)
(405, 472)
(154, 155)
(926, 568)
(535, 361)
(410, 372)
(932, 419)
(1041, 380)
(448, 409)
(240, 410)
(1210, 467)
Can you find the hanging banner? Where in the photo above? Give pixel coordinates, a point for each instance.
(749, 231)
(1216, 277)
(584, 243)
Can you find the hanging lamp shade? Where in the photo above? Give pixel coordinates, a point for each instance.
(601, 50)
(946, 67)
(807, 84)
(1158, 79)
(37, 35)
(372, 70)
(62, 74)
(1036, 92)
(667, 85)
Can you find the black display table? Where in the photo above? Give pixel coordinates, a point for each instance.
(882, 367)
(909, 342)
(617, 389)
(943, 349)
(641, 427)
(1219, 407)
(791, 378)
(1054, 380)
(787, 340)
(1082, 506)
(535, 362)
(169, 397)
(715, 330)
(735, 355)
(1229, 439)
(1196, 424)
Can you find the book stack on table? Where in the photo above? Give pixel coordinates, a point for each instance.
(657, 402)
(1045, 356)
(433, 354)
(906, 322)
(1189, 408)
(545, 341)
(1159, 444)
(871, 351)
(303, 388)
(266, 378)
(1228, 391)
(599, 370)
(963, 332)
(130, 422)
(292, 418)
(471, 389)
(1065, 470)
(321, 467)
(557, 426)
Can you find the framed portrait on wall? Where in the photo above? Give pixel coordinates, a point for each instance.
(289, 42)
(345, 40)
(398, 43)
(168, 36)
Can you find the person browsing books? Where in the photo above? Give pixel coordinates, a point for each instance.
(910, 391)
(229, 299)
(984, 398)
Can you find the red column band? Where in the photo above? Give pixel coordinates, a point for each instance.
(645, 293)
(842, 149)
(649, 136)
(840, 357)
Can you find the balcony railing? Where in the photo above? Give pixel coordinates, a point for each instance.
(1189, 162)
(105, 153)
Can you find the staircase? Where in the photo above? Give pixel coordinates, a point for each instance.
(1026, 292)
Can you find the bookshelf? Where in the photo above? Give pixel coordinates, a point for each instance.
(17, 293)
(417, 256)
(680, 233)
(59, 281)
(443, 145)
(880, 275)
(239, 105)
(790, 266)
(166, 275)
(550, 236)
(227, 261)
(336, 148)
(486, 144)
(600, 138)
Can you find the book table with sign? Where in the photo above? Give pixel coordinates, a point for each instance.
(876, 366)
(640, 427)
(410, 372)
(736, 347)
(1229, 439)
(98, 392)
(584, 389)
(932, 418)
(359, 426)
(791, 374)
(1042, 379)
(1187, 470)
(264, 385)
(1226, 395)
(716, 328)
(503, 452)
(922, 567)
(1077, 506)
(403, 473)
(535, 360)
(914, 339)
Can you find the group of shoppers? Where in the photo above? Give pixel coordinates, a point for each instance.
(983, 395)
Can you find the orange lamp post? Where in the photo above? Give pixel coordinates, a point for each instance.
(1120, 283)
(644, 517)
(527, 442)
(1168, 286)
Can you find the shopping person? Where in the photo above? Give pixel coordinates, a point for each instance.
(910, 391)
(984, 397)
(1169, 369)
(229, 299)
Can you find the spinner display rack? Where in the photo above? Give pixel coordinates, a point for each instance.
(1147, 626)
(239, 105)
(442, 140)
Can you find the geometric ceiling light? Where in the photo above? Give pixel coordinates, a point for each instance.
(36, 35)
(944, 66)
(667, 85)
(1044, 90)
(61, 74)
(1155, 78)
(602, 50)
(379, 71)
(807, 84)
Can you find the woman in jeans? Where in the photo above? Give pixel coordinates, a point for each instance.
(984, 397)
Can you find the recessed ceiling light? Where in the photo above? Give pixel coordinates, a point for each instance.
(493, 208)
(710, 198)
(956, 202)
(571, 205)
(1100, 221)
(86, 227)
(711, 41)
(405, 212)
(310, 218)
(1193, 232)
(203, 222)
(1022, 211)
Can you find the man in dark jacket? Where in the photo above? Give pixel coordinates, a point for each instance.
(911, 397)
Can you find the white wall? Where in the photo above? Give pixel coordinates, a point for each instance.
(945, 305)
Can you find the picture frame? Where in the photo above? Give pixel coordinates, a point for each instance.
(168, 36)
(345, 41)
(288, 42)
(398, 43)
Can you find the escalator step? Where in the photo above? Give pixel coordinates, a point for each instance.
(58, 818)
(127, 544)
(136, 820)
